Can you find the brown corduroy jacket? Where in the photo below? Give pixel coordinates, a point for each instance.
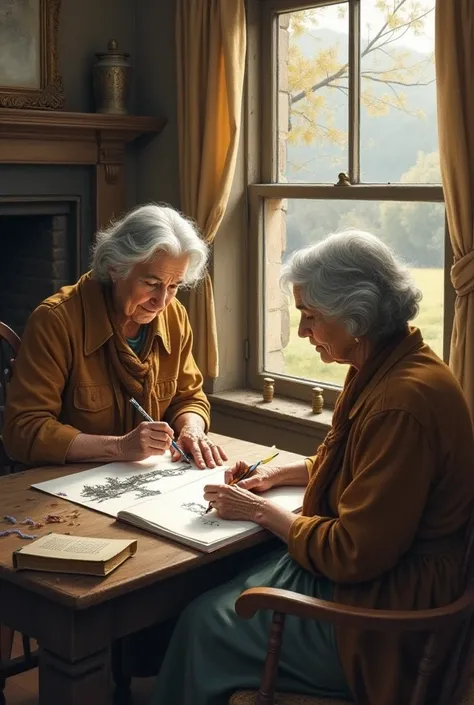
(391, 531)
(64, 384)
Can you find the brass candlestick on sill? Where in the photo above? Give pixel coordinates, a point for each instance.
(317, 400)
(268, 389)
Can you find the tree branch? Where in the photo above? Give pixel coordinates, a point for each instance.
(371, 46)
(390, 82)
(401, 26)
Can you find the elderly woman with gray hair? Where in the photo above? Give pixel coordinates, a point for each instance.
(118, 333)
(388, 498)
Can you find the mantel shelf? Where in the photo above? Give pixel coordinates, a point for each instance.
(50, 123)
(52, 138)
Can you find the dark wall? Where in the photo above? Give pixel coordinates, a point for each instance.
(85, 28)
(145, 29)
(155, 84)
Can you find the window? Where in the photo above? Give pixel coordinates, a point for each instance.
(348, 105)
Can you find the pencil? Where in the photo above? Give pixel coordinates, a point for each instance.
(246, 473)
(147, 417)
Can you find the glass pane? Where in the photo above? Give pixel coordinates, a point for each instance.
(415, 231)
(398, 127)
(312, 100)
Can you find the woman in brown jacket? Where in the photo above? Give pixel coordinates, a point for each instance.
(388, 498)
(118, 333)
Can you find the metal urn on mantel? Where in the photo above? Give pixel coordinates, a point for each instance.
(111, 80)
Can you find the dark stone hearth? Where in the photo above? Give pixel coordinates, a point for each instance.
(39, 255)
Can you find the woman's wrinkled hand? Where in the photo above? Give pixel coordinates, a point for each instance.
(149, 438)
(259, 481)
(194, 442)
(233, 502)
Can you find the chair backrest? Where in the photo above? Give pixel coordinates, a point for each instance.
(9, 347)
(460, 665)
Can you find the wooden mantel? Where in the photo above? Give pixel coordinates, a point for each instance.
(94, 139)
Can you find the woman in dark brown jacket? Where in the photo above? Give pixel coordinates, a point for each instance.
(388, 498)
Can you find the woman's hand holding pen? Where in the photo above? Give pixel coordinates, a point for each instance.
(234, 502)
(259, 480)
(148, 438)
(237, 499)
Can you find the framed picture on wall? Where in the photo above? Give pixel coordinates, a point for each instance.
(29, 73)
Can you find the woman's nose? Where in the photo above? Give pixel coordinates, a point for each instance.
(159, 298)
(303, 331)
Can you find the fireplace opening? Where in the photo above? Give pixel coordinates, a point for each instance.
(40, 253)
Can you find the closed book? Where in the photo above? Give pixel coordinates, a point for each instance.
(60, 553)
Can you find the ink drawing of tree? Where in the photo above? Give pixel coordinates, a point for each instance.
(114, 487)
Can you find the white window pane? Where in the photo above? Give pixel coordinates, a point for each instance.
(415, 231)
(398, 92)
(312, 98)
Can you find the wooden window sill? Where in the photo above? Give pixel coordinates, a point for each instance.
(287, 423)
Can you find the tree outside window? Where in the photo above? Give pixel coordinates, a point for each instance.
(353, 93)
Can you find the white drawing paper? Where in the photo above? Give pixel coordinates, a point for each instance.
(180, 515)
(115, 486)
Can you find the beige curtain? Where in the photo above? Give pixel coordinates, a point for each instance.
(455, 84)
(211, 44)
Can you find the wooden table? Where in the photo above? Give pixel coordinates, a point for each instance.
(76, 618)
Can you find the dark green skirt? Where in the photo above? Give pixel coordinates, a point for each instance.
(213, 652)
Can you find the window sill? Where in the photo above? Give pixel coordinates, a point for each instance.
(289, 423)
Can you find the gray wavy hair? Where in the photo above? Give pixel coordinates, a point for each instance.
(354, 278)
(143, 232)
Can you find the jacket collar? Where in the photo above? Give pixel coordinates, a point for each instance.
(412, 340)
(97, 326)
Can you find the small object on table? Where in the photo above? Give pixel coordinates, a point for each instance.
(317, 400)
(17, 532)
(53, 519)
(63, 553)
(268, 389)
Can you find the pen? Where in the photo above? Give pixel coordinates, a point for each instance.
(247, 472)
(146, 416)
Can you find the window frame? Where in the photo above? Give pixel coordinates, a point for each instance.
(262, 178)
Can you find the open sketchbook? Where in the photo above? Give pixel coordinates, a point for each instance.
(180, 515)
(162, 497)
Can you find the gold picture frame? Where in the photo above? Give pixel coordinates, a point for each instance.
(29, 71)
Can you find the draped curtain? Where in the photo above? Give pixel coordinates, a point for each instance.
(455, 86)
(211, 45)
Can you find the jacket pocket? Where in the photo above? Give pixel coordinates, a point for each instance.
(166, 389)
(93, 397)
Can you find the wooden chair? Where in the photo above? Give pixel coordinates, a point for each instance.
(457, 685)
(9, 346)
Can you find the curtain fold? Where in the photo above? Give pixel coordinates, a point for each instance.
(455, 86)
(211, 46)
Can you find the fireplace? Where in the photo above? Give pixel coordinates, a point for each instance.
(40, 242)
(45, 239)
